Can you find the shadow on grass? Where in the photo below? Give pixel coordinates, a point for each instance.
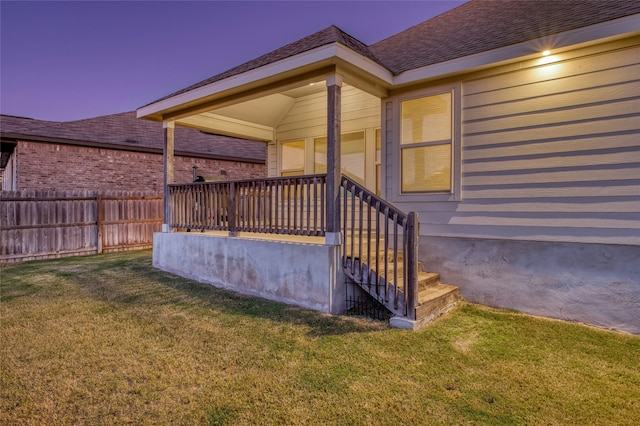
(130, 279)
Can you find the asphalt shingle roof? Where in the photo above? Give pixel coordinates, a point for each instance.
(125, 131)
(327, 36)
(474, 27)
(481, 25)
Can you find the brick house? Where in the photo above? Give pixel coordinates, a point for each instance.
(115, 152)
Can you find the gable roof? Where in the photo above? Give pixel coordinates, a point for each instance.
(471, 28)
(125, 131)
(327, 36)
(481, 25)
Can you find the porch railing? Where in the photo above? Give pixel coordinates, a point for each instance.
(379, 251)
(380, 248)
(282, 205)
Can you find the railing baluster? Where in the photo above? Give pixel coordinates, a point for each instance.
(395, 261)
(386, 253)
(360, 230)
(369, 240)
(378, 283)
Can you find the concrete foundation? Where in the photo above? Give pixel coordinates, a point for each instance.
(305, 273)
(590, 283)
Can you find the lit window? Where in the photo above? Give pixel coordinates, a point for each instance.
(292, 158)
(426, 144)
(351, 155)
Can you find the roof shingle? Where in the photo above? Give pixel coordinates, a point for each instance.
(125, 131)
(483, 25)
(329, 35)
(474, 27)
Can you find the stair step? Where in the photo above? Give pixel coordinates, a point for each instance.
(435, 300)
(427, 279)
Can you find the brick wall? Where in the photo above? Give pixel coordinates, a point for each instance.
(47, 166)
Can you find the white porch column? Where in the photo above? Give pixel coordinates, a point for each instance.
(334, 87)
(167, 151)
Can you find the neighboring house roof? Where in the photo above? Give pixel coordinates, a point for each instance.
(474, 27)
(125, 131)
(12, 123)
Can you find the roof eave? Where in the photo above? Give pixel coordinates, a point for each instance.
(627, 26)
(15, 137)
(295, 69)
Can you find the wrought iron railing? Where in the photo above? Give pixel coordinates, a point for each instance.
(380, 248)
(282, 205)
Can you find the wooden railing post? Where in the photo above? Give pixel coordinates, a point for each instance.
(232, 209)
(168, 161)
(334, 170)
(412, 263)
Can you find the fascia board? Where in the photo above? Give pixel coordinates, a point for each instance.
(318, 55)
(365, 64)
(610, 30)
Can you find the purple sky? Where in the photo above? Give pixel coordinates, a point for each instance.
(72, 60)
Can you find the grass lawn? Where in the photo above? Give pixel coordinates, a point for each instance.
(109, 340)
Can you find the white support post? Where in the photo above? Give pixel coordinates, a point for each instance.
(168, 153)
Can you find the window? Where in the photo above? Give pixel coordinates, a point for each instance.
(351, 155)
(292, 158)
(426, 144)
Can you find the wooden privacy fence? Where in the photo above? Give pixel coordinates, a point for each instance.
(48, 224)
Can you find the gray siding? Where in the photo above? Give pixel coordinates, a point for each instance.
(549, 153)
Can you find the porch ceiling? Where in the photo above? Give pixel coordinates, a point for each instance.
(251, 104)
(255, 118)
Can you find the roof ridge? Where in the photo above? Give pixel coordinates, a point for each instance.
(328, 35)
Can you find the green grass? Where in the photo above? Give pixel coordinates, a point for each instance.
(109, 340)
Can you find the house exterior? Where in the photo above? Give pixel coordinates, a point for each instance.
(511, 129)
(115, 152)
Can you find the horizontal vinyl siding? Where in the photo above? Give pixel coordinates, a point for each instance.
(549, 153)
(308, 115)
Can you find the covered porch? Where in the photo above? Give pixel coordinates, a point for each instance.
(321, 191)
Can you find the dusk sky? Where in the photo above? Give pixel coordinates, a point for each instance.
(78, 59)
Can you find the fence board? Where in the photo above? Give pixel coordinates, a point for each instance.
(49, 224)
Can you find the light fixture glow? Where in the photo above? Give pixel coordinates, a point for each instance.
(546, 53)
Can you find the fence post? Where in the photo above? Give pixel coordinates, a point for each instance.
(99, 220)
(412, 263)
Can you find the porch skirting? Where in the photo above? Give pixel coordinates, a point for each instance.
(306, 274)
(596, 284)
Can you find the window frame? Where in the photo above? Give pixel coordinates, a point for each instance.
(454, 193)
